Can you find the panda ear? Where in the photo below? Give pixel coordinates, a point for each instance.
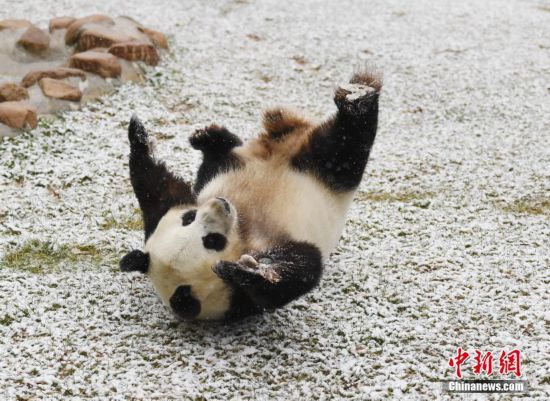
(135, 260)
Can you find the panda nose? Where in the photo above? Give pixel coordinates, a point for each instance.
(184, 304)
(225, 204)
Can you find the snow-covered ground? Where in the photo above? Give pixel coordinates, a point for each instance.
(446, 244)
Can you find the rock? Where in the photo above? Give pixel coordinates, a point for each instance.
(14, 24)
(50, 64)
(60, 23)
(103, 64)
(75, 28)
(132, 20)
(136, 51)
(12, 92)
(100, 36)
(59, 90)
(18, 115)
(58, 73)
(34, 40)
(156, 37)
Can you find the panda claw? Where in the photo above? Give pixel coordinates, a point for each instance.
(248, 261)
(263, 267)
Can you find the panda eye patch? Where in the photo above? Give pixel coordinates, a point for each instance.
(188, 217)
(214, 241)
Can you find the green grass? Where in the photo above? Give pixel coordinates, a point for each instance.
(6, 320)
(131, 223)
(533, 206)
(39, 257)
(404, 197)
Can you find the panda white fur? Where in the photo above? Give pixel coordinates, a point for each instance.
(253, 232)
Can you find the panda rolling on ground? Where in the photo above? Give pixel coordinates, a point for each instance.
(254, 230)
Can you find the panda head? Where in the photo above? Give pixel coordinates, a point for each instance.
(179, 256)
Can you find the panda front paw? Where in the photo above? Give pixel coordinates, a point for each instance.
(248, 271)
(237, 273)
(214, 138)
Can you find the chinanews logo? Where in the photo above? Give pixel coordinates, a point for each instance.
(492, 372)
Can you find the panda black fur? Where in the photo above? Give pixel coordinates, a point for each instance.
(253, 232)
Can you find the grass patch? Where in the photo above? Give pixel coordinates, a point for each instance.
(534, 206)
(404, 197)
(6, 320)
(39, 257)
(129, 223)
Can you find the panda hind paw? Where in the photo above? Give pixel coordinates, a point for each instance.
(355, 98)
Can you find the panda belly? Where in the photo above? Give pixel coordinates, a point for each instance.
(277, 202)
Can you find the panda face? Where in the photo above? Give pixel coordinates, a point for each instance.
(186, 244)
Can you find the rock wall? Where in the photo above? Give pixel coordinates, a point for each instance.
(72, 61)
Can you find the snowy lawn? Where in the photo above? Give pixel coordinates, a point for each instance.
(447, 243)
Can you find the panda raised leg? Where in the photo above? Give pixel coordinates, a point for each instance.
(337, 154)
(272, 278)
(338, 150)
(156, 188)
(215, 143)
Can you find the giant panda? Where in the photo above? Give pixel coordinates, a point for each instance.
(253, 231)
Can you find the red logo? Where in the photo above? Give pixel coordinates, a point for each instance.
(509, 362)
(484, 363)
(458, 360)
